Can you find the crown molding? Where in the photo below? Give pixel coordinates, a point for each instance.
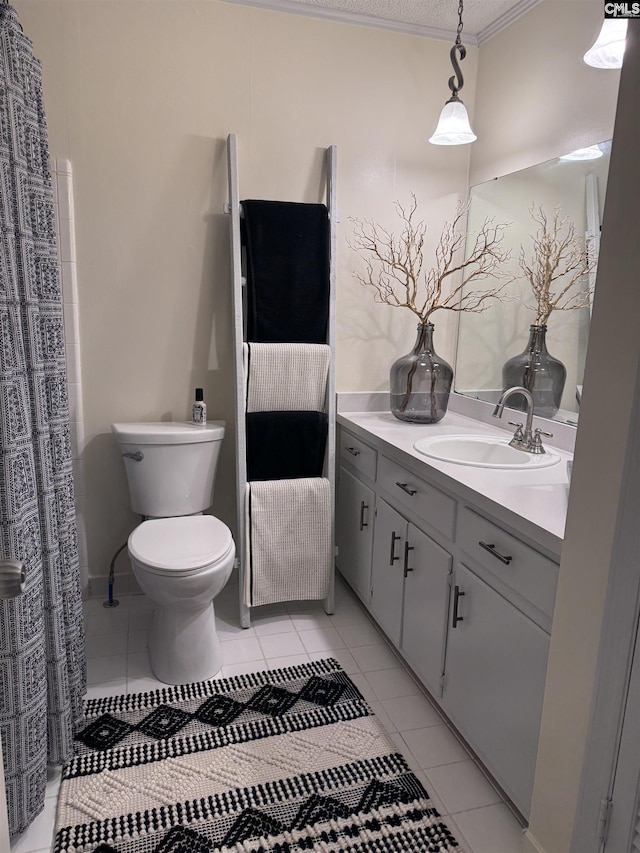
(340, 16)
(506, 20)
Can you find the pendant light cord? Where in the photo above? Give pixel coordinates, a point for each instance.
(459, 29)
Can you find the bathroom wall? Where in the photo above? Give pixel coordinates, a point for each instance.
(140, 98)
(533, 105)
(601, 540)
(536, 99)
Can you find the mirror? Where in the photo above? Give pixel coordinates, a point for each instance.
(487, 340)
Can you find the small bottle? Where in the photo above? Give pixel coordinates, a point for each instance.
(199, 409)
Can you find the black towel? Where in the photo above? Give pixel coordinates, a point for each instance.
(285, 445)
(287, 253)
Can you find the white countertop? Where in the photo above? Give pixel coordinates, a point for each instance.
(534, 502)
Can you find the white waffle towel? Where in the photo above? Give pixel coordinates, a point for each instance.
(286, 377)
(288, 547)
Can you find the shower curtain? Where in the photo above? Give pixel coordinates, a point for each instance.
(42, 659)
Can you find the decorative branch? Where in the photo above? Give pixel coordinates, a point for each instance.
(394, 264)
(561, 261)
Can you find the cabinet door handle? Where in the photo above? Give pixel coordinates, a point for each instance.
(363, 506)
(457, 592)
(491, 548)
(352, 451)
(407, 548)
(394, 539)
(407, 489)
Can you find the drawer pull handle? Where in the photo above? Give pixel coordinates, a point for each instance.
(407, 489)
(407, 548)
(394, 539)
(363, 506)
(491, 548)
(457, 593)
(352, 451)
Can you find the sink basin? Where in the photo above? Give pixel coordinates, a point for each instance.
(482, 451)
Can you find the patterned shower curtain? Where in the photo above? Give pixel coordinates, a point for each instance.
(42, 659)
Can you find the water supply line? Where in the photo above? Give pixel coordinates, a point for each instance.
(111, 601)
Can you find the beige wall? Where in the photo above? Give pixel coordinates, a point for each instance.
(536, 99)
(140, 97)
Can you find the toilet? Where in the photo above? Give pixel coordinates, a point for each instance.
(180, 557)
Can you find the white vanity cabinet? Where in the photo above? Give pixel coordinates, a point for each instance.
(502, 600)
(355, 512)
(410, 592)
(426, 601)
(494, 682)
(467, 603)
(390, 556)
(411, 571)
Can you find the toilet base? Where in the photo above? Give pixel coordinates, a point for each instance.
(184, 645)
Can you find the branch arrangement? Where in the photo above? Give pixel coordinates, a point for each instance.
(395, 264)
(560, 260)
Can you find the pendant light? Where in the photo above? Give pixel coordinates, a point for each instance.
(608, 49)
(453, 127)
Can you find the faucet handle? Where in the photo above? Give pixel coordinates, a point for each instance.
(518, 436)
(537, 431)
(536, 444)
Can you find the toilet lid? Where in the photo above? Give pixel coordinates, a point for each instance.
(180, 544)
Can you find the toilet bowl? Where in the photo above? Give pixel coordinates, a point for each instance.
(180, 557)
(182, 564)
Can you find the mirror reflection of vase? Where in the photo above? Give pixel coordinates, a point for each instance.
(537, 371)
(421, 382)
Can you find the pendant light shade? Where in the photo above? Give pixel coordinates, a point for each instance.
(608, 49)
(453, 127)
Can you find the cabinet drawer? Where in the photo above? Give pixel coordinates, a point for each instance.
(430, 504)
(522, 569)
(358, 454)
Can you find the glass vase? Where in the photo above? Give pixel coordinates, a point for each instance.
(421, 382)
(537, 371)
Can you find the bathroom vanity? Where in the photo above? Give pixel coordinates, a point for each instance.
(458, 565)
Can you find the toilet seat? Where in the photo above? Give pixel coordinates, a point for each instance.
(181, 545)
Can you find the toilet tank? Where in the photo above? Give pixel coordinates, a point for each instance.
(170, 466)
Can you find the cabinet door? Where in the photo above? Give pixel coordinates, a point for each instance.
(426, 603)
(496, 663)
(354, 532)
(389, 543)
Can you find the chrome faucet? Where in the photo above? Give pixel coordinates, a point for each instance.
(524, 438)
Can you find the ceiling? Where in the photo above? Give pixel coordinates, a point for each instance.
(433, 18)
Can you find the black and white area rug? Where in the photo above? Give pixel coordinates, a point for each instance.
(283, 761)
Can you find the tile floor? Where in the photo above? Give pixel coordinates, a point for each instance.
(291, 633)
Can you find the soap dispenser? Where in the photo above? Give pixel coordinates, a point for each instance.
(199, 415)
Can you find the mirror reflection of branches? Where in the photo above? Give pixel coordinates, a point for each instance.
(557, 271)
(554, 210)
